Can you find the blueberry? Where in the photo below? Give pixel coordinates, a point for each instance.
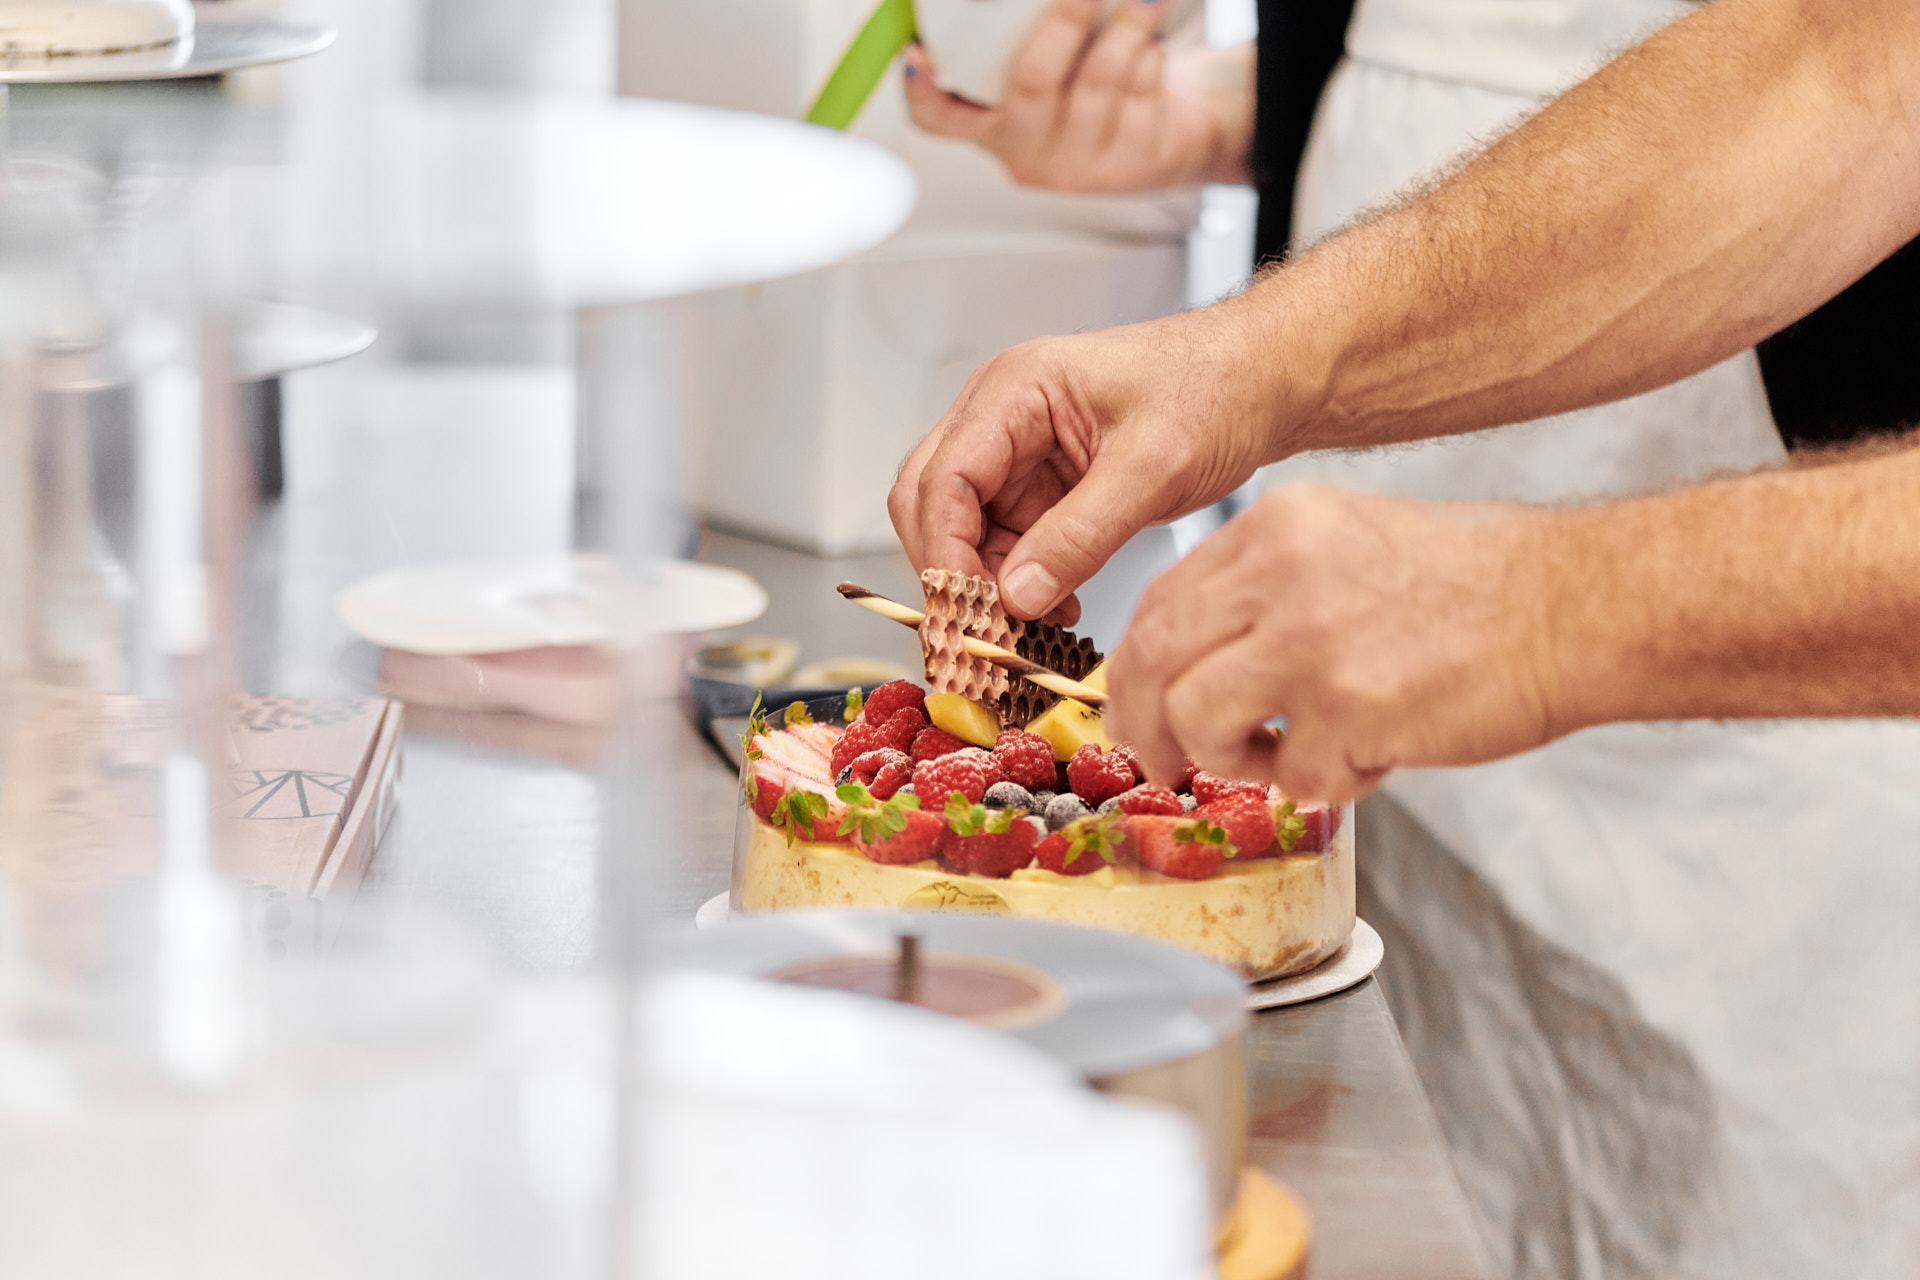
(1108, 805)
(842, 778)
(1009, 795)
(906, 789)
(1188, 804)
(1041, 799)
(1063, 809)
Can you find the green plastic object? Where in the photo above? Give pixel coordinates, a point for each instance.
(890, 28)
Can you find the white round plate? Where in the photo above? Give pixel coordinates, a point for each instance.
(219, 42)
(496, 606)
(1351, 964)
(712, 913)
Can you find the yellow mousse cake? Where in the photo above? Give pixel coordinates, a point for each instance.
(1267, 917)
(916, 800)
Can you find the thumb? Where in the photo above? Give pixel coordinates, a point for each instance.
(1076, 536)
(936, 110)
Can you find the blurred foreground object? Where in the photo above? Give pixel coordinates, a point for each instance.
(807, 1133)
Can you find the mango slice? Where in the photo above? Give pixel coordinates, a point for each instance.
(963, 718)
(1069, 725)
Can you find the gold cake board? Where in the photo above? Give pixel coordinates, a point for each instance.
(1266, 1234)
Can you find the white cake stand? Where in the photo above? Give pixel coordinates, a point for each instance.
(219, 42)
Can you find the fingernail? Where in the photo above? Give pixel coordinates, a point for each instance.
(1031, 589)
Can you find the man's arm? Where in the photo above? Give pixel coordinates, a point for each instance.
(1394, 633)
(1702, 190)
(1698, 193)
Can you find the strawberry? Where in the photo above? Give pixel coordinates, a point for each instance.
(792, 753)
(931, 744)
(894, 832)
(1097, 775)
(970, 772)
(766, 783)
(1185, 848)
(1082, 847)
(1249, 823)
(1209, 787)
(890, 697)
(1025, 758)
(1147, 798)
(821, 739)
(988, 842)
(1305, 830)
(882, 772)
(803, 815)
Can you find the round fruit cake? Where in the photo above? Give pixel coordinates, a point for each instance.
(925, 801)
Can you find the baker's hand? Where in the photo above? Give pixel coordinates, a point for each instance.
(1058, 451)
(1387, 632)
(1088, 106)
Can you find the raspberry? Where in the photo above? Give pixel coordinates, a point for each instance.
(860, 738)
(882, 772)
(1025, 758)
(902, 727)
(931, 744)
(863, 735)
(969, 771)
(1147, 798)
(1209, 787)
(1248, 823)
(1096, 775)
(886, 700)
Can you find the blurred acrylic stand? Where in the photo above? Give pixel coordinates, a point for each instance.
(176, 1098)
(87, 95)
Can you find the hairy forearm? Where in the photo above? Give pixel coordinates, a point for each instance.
(1789, 593)
(1700, 192)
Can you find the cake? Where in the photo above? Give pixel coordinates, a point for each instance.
(54, 28)
(906, 798)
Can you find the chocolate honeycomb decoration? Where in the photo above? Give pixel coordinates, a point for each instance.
(959, 605)
(962, 605)
(1057, 649)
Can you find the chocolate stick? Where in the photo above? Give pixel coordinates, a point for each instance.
(1045, 677)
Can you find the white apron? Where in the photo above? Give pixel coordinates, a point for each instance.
(1748, 894)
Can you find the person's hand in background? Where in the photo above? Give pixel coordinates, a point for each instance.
(1090, 106)
(1058, 451)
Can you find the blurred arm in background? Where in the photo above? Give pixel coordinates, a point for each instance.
(1111, 107)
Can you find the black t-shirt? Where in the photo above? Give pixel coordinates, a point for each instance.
(1850, 369)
